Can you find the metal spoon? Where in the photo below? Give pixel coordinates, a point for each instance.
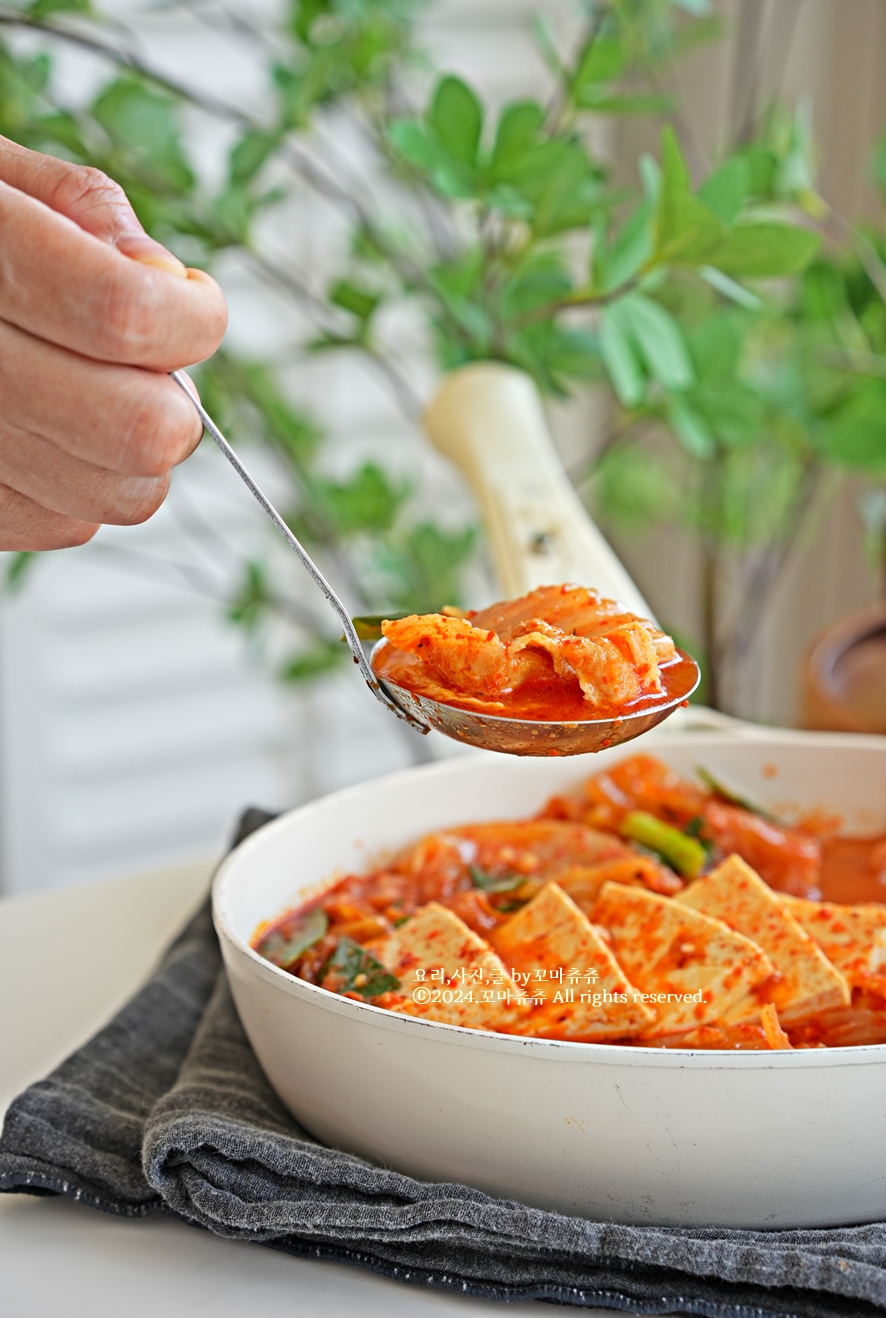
(488, 731)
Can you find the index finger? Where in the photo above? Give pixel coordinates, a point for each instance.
(88, 197)
(62, 284)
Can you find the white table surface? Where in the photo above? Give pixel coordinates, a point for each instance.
(68, 960)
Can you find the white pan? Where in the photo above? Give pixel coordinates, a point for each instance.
(757, 1139)
(754, 1139)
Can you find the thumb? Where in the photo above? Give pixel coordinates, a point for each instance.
(94, 202)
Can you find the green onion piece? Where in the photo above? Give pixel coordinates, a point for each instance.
(684, 854)
(303, 933)
(490, 883)
(694, 829)
(354, 970)
(732, 798)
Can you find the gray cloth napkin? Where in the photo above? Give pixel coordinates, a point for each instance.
(166, 1110)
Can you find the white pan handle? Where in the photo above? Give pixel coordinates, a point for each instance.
(488, 419)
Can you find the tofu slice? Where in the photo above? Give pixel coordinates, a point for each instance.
(852, 937)
(735, 894)
(448, 973)
(558, 956)
(690, 968)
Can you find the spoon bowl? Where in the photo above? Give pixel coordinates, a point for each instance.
(519, 736)
(488, 731)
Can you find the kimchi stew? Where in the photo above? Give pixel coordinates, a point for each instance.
(561, 653)
(641, 909)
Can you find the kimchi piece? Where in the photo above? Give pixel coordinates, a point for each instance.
(627, 913)
(560, 653)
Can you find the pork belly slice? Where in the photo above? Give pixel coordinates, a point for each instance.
(853, 938)
(434, 954)
(735, 894)
(693, 969)
(563, 963)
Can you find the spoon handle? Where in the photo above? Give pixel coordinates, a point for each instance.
(307, 562)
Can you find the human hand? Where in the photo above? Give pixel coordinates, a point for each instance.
(93, 313)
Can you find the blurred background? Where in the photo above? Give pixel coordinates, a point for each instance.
(159, 679)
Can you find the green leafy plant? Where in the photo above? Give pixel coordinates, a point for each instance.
(742, 360)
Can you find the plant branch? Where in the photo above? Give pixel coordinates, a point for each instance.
(407, 400)
(297, 159)
(579, 297)
(129, 59)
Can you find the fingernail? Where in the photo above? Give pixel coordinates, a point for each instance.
(139, 247)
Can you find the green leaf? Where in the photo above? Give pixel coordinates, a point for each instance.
(715, 344)
(659, 338)
(537, 284)
(634, 488)
(250, 154)
(460, 278)
(518, 127)
(252, 599)
(319, 658)
(450, 176)
(737, 293)
(456, 116)
(554, 355)
(650, 177)
(856, 438)
(351, 969)
(502, 197)
(631, 249)
(369, 501)
(560, 181)
(304, 14)
(18, 567)
(686, 230)
(690, 429)
(356, 300)
(762, 167)
(725, 191)
(621, 363)
(43, 8)
(410, 139)
(286, 944)
(676, 181)
(602, 60)
(144, 121)
(764, 249)
(424, 565)
(878, 165)
(458, 285)
(731, 410)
